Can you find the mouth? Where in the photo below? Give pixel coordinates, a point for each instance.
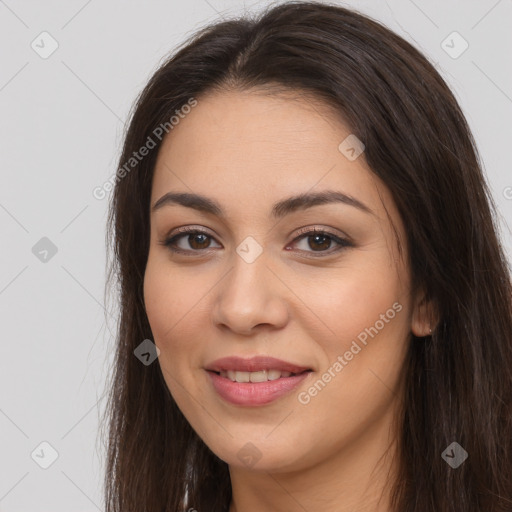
(257, 376)
(260, 368)
(255, 381)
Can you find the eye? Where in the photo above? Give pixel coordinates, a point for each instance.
(199, 240)
(318, 240)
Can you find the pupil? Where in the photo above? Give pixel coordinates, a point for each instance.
(194, 237)
(315, 237)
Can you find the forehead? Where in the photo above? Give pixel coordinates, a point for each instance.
(250, 148)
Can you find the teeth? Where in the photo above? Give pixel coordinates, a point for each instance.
(261, 376)
(274, 374)
(258, 376)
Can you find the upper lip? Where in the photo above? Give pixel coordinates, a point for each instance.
(254, 364)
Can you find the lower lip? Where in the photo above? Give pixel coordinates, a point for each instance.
(254, 393)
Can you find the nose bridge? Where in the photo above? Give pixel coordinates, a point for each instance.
(248, 282)
(249, 295)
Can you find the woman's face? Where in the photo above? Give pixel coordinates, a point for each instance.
(256, 281)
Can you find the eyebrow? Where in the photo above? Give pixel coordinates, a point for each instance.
(279, 209)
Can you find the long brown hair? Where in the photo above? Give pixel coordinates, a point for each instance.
(458, 381)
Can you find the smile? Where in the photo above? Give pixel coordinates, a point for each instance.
(247, 390)
(260, 376)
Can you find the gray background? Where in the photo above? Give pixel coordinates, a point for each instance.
(61, 127)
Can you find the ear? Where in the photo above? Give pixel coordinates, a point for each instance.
(424, 316)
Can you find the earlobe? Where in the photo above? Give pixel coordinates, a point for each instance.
(424, 316)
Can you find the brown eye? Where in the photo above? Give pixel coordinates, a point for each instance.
(197, 241)
(320, 241)
(201, 239)
(194, 240)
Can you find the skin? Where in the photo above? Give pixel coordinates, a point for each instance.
(248, 150)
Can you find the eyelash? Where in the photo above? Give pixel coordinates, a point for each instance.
(303, 233)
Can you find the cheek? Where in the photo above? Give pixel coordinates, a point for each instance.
(358, 382)
(169, 299)
(366, 309)
(355, 296)
(171, 295)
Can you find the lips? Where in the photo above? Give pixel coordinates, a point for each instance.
(254, 364)
(255, 381)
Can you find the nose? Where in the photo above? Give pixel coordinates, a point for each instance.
(250, 297)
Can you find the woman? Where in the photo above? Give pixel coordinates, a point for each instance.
(315, 306)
